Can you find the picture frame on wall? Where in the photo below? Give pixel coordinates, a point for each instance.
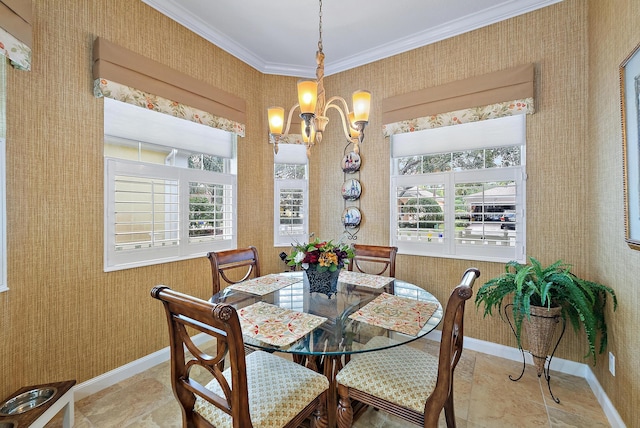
(630, 114)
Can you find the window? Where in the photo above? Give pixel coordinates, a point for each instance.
(170, 188)
(459, 191)
(291, 195)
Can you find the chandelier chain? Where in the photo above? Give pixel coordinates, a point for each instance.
(320, 28)
(321, 100)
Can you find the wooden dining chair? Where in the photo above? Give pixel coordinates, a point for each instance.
(257, 390)
(374, 259)
(407, 382)
(233, 266)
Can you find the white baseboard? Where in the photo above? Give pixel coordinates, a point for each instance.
(112, 377)
(607, 406)
(557, 364)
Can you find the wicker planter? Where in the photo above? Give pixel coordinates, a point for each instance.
(539, 331)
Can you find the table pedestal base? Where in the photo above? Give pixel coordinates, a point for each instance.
(330, 365)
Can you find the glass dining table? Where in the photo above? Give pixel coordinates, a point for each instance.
(279, 313)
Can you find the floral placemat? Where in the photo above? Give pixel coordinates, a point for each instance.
(275, 325)
(364, 279)
(264, 284)
(396, 313)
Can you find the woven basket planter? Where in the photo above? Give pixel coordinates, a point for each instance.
(539, 331)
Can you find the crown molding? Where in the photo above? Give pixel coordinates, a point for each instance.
(447, 30)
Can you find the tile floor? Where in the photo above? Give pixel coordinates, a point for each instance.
(484, 398)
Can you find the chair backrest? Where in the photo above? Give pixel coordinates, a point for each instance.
(374, 259)
(450, 345)
(241, 261)
(220, 322)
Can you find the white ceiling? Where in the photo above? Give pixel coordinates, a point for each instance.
(281, 36)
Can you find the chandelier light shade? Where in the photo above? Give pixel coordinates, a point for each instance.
(276, 119)
(361, 106)
(307, 96)
(313, 107)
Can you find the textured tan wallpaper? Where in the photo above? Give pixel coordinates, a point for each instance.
(64, 318)
(613, 34)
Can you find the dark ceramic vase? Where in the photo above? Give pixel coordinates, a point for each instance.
(321, 282)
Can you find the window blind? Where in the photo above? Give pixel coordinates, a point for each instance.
(163, 130)
(506, 131)
(291, 154)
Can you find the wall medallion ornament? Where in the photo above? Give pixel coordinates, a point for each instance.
(351, 189)
(351, 163)
(351, 217)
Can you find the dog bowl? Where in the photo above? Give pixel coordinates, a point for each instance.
(27, 401)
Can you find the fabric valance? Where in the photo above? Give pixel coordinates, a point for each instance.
(15, 32)
(498, 94)
(132, 78)
(288, 139)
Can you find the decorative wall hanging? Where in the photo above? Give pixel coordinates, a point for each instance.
(351, 163)
(630, 96)
(351, 190)
(351, 217)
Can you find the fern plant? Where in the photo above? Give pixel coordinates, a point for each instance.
(583, 302)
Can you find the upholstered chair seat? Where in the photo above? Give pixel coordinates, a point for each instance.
(278, 390)
(408, 378)
(404, 381)
(258, 390)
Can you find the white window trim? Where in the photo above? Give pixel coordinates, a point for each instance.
(410, 144)
(184, 250)
(3, 218)
(448, 248)
(295, 154)
(281, 241)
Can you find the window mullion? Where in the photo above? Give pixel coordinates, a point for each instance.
(450, 212)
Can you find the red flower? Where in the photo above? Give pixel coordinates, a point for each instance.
(311, 257)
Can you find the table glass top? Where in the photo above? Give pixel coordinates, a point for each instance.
(332, 329)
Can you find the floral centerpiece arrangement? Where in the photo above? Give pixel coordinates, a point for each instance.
(321, 256)
(321, 262)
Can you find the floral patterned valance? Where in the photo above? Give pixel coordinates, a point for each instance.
(18, 53)
(475, 114)
(116, 91)
(128, 76)
(287, 139)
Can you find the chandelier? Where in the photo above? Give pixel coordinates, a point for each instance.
(313, 109)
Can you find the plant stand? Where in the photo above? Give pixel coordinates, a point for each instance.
(538, 359)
